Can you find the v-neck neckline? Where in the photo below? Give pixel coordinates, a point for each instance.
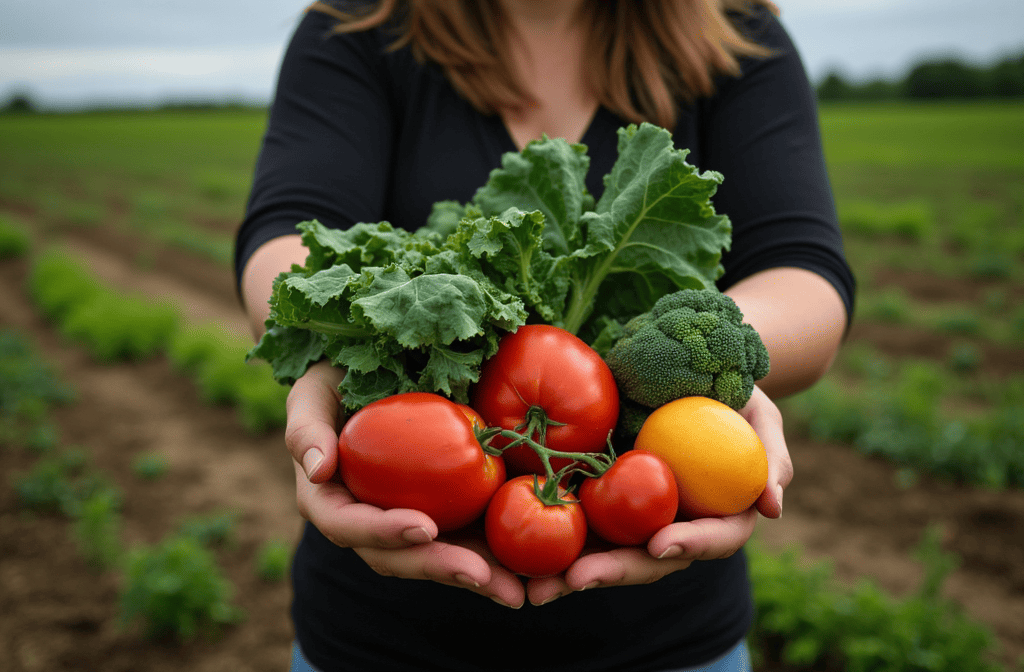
(509, 141)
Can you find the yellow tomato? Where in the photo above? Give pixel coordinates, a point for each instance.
(719, 462)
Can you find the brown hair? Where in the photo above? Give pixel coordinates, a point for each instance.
(655, 52)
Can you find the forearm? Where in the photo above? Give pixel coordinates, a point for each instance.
(801, 319)
(267, 262)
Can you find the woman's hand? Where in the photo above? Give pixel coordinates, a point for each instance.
(676, 546)
(396, 542)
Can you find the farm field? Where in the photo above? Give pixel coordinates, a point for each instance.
(918, 429)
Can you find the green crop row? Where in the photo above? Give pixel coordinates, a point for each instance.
(174, 588)
(14, 238)
(29, 389)
(995, 318)
(909, 414)
(807, 620)
(115, 325)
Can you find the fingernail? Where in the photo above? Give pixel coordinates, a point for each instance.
(466, 580)
(497, 600)
(550, 599)
(780, 500)
(416, 535)
(671, 552)
(311, 460)
(592, 584)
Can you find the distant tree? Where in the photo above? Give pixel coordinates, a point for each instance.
(1006, 77)
(946, 78)
(834, 87)
(936, 79)
(19, 103)
(878, 88)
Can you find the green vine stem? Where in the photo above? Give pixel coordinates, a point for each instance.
(595, 464)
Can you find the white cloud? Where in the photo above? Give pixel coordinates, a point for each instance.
(68, 77)
(36, 64)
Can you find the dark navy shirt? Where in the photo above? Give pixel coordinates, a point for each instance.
(357, 133)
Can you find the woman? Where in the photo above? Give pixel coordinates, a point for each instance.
(384, 108)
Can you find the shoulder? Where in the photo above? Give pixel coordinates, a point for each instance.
(762, 27)
(366, 56)
(316, 32)
(783, 60)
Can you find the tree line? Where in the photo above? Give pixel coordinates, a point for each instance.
(942, 78)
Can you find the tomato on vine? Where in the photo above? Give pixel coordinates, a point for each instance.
(418, 451)
(633, 499)
(549, 385)
(531, 536)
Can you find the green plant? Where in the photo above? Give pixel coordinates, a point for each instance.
(805, 618)
(61, 482)
(214, 529)
(261, 402)
(28, 388)
(273, 560)
(961, 323)
(862, 359)
(900, 418)
(964, 357)
(993, 264)
(912, 220)
(115, 326)
(58, 282)
(973, 223)
(97, 528)
(217, 361)
(190, 346)
(177, 590)
(150, 466)
(890, 305)
(14, 239)
(220, 185)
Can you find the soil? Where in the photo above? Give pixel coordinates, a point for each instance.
(57, 613)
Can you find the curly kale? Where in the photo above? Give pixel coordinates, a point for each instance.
(693, 342)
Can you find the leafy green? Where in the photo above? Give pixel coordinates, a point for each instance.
(404, 311)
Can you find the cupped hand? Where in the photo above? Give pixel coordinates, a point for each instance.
(677, 545)
(396, 542)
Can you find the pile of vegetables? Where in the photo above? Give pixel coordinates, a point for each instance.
(473, 346)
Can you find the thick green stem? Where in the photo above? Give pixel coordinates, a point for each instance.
(536, 424)
(596, 461)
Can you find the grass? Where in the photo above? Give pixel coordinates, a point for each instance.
(156, 173)
(977, 137)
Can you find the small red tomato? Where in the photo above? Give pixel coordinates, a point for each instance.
(530, 537)
(631, 501)
(418, 451)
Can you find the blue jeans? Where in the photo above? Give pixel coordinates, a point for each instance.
(736, 660)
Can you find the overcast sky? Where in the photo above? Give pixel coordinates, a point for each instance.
(66, 52)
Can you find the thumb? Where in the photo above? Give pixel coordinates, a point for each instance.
(313, 409)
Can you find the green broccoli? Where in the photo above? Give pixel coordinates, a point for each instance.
(693, 342)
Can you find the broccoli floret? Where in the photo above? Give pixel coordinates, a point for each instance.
(692, 343)
(632, 417)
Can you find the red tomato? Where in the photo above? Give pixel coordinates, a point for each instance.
(418, 451)
(530, 537)
(474, 417)
(631, 501)
(548, 368)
